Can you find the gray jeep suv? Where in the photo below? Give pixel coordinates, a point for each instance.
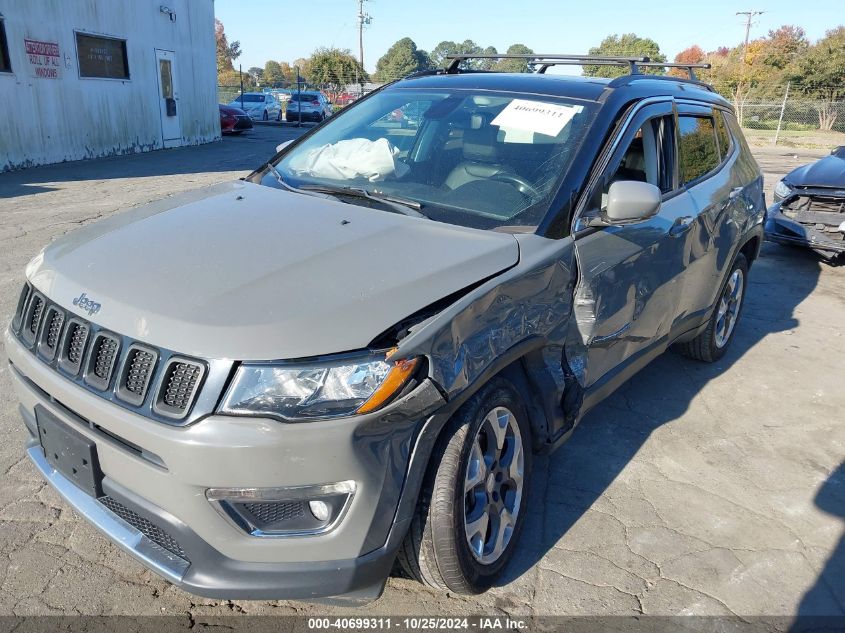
(277, 387)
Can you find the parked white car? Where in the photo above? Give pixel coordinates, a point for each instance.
(315, 106)
(259, 106)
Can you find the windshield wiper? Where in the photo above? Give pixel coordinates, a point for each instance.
(401, 205)
(281, 180)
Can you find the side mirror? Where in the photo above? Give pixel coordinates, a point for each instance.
(632, 201)
(282, 146)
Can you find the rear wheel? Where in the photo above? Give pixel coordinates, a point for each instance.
(265, 117)
(712, 343)
(279, 115)
(473, 502)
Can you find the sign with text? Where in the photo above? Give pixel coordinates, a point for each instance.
(44, 59)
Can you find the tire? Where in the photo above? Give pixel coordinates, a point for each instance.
(712, 343)
(436, 551)
(266, 117)
(279, 116)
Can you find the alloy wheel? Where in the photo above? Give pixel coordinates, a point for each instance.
(728, 310)
(493, 485)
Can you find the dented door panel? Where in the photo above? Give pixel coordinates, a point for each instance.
(717, 200)
(630, 280)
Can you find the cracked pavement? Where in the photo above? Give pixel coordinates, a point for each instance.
(695, 489)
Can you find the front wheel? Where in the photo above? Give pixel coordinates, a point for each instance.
(712, 343)
(474, 498)
(265, 117)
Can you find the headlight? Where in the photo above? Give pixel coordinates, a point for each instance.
(319, 390)
(782, 190)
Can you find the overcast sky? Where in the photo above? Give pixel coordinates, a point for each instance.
(284, 31)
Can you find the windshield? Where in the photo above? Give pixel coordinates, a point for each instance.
(483, 160)
(304, 97)
(249, 99)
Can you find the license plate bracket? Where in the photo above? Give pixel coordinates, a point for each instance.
(69, 452)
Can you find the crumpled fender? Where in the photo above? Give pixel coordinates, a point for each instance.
(529, 304)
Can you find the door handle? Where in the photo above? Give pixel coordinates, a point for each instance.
(681, 225)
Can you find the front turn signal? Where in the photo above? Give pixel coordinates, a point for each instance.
(396, 378)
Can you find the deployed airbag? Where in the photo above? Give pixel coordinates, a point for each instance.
(349, 159)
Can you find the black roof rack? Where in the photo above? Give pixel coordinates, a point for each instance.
(690, 68)
(543, 61)
(555, 59)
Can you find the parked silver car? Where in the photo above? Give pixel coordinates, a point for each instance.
(271, 388)
(259, 106)
(313, 106)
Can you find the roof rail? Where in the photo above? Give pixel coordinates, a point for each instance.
(555, 59)
(690, 68)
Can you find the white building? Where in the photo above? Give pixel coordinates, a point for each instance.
(89, 78)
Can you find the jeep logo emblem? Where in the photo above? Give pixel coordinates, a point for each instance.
(87, 304)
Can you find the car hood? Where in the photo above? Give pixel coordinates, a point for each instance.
(231, 110)
(827, 172)
(246, 272)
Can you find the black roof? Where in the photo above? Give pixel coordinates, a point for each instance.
(626, 88)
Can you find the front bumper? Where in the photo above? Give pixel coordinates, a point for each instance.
(238, 124)
(243, 123)
(306, 116)
(783, 230)
(160, 473)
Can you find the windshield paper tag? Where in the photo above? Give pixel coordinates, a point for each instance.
(536, 116)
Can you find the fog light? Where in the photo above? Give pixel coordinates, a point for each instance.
(288, 511)
(319, 509)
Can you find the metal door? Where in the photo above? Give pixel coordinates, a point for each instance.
(168, 101)
(632, 276)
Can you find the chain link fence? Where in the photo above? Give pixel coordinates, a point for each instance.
(786, 116)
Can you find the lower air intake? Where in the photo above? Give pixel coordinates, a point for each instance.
(145, 527)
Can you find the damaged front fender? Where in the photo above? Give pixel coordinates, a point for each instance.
(522, 313)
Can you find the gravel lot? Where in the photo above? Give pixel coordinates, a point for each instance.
(695, 489)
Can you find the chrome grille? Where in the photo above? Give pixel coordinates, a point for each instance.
(101, 360)
(35, 315)
(148, 380)
(73, 346)
(137, 372)
(54, 330)
(16, 322)
(32, 318)
(179, 384)
(145, 527)
(50, 332)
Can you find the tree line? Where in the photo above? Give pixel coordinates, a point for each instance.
(760, 71)
(336, 66)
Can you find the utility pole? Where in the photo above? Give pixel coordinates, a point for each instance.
(749, 15)
(740, 103)
(363, 19)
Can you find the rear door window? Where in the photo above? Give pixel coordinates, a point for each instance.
(722, 135)
(698, 149)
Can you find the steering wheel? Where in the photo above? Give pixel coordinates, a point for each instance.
(523, 186)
